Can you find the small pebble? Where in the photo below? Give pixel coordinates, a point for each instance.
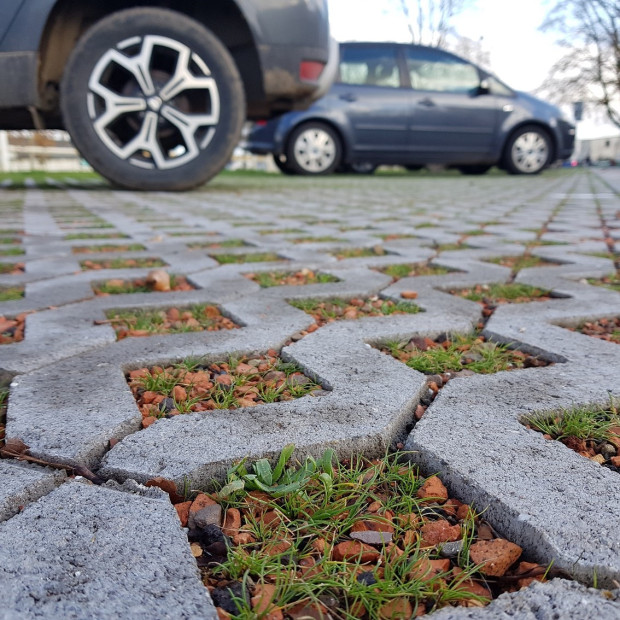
(166, 405)
(367, 578)
(608, 450)
(451, 549)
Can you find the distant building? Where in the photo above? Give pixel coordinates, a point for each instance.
(598, 150)
(597, 142)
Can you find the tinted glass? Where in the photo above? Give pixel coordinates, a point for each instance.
(431, 70)
(369, 65)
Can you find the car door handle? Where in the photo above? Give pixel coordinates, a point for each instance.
(348, 97)
(429, 103)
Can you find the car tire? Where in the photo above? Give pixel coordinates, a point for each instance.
(528, 151)
(153, 100)
(282, 165)
(474, 169)
(314, 149)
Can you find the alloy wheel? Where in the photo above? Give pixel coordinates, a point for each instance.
(153, 102)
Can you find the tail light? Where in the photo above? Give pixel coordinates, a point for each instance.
(310, 70)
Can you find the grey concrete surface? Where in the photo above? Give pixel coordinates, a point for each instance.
(69, 396)
(89, 552)
(22, 484)
(549, 601)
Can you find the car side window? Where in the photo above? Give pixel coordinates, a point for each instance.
(369, 65)
(498, 88)
(433, 70)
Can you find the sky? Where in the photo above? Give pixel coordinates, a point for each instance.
(520, 54)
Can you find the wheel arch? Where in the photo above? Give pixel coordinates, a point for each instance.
(69, 19)
(529, 123)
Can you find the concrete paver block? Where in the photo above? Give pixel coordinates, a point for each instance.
(89, 552)
(69, 397)
(23, 484)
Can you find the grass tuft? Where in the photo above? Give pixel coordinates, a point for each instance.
(267, 279)
(11, 293)
(144, 322)
(325, 311)
(195, 385)
(408, 270)
(456, 353)
(122, 263)
(257, 257)
(94, 249)
(292, 519)
(517, 263)
(360, 252)
(513, 292)
(587, 423)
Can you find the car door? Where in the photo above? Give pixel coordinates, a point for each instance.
(8, 9)
(453, 119)
(377, 105)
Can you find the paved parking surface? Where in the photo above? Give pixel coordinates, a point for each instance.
(71, 549)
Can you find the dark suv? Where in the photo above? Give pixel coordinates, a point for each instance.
(413, 105)
(154, 93)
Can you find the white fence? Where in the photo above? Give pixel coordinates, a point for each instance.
(62, 157)
(29, 157)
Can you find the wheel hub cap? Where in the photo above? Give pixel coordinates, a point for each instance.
(530, 152)
(154, 103)
(314, 150)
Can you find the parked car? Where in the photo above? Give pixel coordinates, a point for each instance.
(155, 96)
(413, 105)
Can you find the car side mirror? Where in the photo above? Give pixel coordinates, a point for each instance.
(484, 88)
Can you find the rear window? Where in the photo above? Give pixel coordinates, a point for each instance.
(370, 66)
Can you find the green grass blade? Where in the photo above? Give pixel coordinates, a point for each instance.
(263, 470)
(285, 455)
(230, 488)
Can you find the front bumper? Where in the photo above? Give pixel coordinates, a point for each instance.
(566, 145)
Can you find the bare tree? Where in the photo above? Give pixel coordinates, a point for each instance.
(474, 51)
(590, 70)
(429, 21)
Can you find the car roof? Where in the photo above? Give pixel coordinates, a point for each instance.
(389, 44)
(398, 44)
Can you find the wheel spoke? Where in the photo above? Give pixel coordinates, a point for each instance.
(138, 65)
(146, 140)
(115, 105)
(188, 124)
(186, 81)
(183, 80)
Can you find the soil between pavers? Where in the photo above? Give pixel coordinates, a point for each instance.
(48, 394)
